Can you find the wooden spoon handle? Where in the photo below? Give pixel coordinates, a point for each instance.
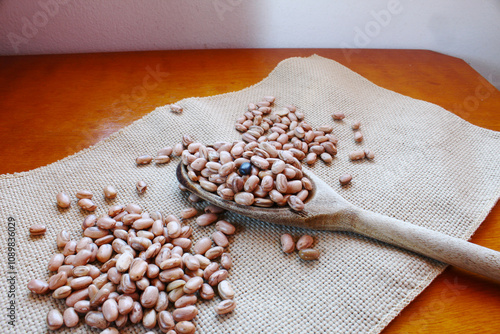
(436, 245)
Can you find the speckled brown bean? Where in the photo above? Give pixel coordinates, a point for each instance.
(225, 290)
(295, 203)
(185, 313)
(57, 280)
(96, 320)
(165, 321)
(356, 125)
(193, 285)
(304, 242)
(170, 275)
(210, 269)
(311, 158)
(244, 198)
(104, 253)
(138, 269)
(81, 282)
(345, 179)
(309, 254)
(186, 300)
(287, 244)
(358, 136)
(251, 183)
(338, 116)
(185, 327)
(143, 159)
(38, 286)
(63, 200)
(220, 239)
(206, 219)
(177, 149)
(56, 261)
(63, 238)
(87, 204)
(302, 195)
(191, 262)
(141, 187)
(125, 304)
(149, 297)
(84, 194)
(162, 159)
(214, 252)
(294, 186)
(226, 306)
(281, 183)
(110, 192)
(188, 213)
(278, 167)
(207, 292)
(202, 245)
(225, 227)
(326, 157)
(226, 261)
(70, 317)
(110, 310)
(77, 296)
(217, 277)
(54, 319)
(357, 155)
(37, 229)
(276, 196)
(106, 223)
(82, 306)
(369, 154)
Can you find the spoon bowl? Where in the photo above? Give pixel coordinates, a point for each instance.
(325, 209)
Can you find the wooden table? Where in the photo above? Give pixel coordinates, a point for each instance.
(54, 105)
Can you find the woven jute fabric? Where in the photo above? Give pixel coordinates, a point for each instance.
(431, 168)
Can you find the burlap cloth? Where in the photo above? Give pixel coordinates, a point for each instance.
(431, 168)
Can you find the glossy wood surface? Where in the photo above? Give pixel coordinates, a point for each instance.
(55, 105)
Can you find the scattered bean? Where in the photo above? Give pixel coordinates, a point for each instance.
(143, 159)
(37, 229)
(304, 242)
(141, 187)
(338, 116)
(226, 306)
(287, 243)
(110, 192)
(309, 254)
(63, 200)
(345, 179)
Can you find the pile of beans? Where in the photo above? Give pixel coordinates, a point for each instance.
(264, 169)
(132, 266)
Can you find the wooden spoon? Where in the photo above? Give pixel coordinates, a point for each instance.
(327, 210)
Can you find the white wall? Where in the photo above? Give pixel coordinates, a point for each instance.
(462, 28)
